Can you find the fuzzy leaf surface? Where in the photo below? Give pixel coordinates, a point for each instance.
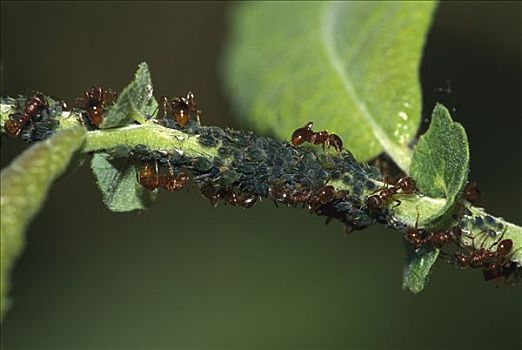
(25, 184)
(350, 67)
(417, 270)
(116, 179)
(441, 160)
(135, 103)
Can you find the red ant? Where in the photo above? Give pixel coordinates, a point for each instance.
(503, 271)
(182, 109)
(377, 201)
(151, 179)
(476, 258)
(306, 134)
(17, 121)
(245, 200)
(472, 193)
(94, 102)
(444, 238)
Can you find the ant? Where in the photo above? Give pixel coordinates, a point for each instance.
(94, 102)
(377, 201)
(150, 178)
(245, 200)
(444, 238)
(182, 109)
(171, 182)
(323, 196)
(306, 134)
(472, 193)
(503, 271)
(415, 236)
(17, 121)
(476, 258)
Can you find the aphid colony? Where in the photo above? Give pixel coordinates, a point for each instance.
(250, 168)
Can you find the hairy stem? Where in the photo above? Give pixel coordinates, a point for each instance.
(414, 209)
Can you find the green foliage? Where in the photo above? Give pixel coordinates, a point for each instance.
(439, 166)
(417, 270)
(351, 67)
(25, 183)
(134, 103)
(116, 179)
(441, 160)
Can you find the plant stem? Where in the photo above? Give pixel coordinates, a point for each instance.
(414, 208)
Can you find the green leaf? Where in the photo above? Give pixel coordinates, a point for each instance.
(417, 269)
(439, 166)
(116, 179)
(25, 183)
(135, 102)
(351, 67)
(441, 160)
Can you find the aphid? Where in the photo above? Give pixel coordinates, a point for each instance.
(182, 109)
(472, 193)
(94, 102)
(17, 121)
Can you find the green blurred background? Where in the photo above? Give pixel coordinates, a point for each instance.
(186, 276)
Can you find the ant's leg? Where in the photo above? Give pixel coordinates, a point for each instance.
(165, 102)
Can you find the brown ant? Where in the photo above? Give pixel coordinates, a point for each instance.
(476, 258)
(444, 238)
(472, 193)
(415, 236)
(376, 202)
(245, 200)
(182, 109)
(17, 121)
(171, 182)
(503, 271)
(306, 134)
(94, 102)
(150, 178)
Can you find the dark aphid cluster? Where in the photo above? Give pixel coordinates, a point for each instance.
(35, 119)
(94, 104)
(306, 134)
(250, 168)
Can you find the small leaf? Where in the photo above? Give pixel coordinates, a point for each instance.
(441, 160)
(116, 179)
(135, 103)
(417, 269)
(351, 67)
(25, 183)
